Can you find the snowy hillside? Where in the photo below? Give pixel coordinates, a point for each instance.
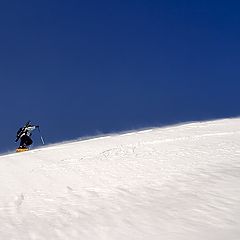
(175, 183)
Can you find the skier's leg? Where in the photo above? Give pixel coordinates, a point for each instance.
(25, 141)
(22, 142)
(28, 141)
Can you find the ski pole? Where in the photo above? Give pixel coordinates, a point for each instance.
(41, 136)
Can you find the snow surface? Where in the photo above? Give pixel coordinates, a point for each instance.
(174, 183)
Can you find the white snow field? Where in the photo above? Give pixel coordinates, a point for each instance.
(175, 183)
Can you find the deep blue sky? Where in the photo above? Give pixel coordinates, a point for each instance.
(82, 68)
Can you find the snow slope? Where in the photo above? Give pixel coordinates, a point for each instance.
(175, 183)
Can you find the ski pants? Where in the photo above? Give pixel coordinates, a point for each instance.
(25, 141)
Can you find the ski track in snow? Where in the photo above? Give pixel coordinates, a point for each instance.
(175, 183)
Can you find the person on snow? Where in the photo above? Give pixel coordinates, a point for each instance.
(24, 134)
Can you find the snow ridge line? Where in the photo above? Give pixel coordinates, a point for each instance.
(195, 137)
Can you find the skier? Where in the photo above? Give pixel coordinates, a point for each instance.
(24, 133)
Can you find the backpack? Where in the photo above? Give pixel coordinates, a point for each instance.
(21, 130)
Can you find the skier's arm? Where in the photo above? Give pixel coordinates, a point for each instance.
(31, 128)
